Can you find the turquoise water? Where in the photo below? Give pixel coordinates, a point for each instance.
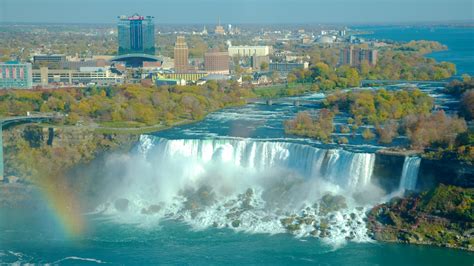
(458, 39)
(34, 235)
(177, 243)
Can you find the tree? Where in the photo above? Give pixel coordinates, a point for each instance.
(368, 134)
(467, 105)
(291, 78)
(387, 132)
(264, 66)
(436, 129)
(320, 126)
(275, 76)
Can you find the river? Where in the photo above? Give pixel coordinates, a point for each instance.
(218, 192)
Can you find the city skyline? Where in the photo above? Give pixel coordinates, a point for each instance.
(239, 11)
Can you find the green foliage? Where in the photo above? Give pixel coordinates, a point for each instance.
(368, 134)
(129, 103)
(457, 87)
(400, 61)
(319, 127)
(374, 107)
(282, 90)
(441, 217)
(450, 202)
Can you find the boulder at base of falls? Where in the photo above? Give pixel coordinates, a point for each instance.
(443, 217)
(331, 203)
(121, 205)
(152, 209)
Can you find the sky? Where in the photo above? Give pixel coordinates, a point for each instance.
(239, 11)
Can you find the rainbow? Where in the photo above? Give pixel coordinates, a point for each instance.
(64, 206)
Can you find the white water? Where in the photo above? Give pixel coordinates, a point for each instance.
(410, 170)
(255, 183)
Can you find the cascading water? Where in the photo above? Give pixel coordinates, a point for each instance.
(343, 168)
(410, 170)
(255, 186)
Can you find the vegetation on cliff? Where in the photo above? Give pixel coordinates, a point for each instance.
(36, 154)
(443, 217)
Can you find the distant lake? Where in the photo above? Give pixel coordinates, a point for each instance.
(460, 42)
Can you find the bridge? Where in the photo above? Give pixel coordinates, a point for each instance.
(29, 118)
(285, 101)
(387, 81)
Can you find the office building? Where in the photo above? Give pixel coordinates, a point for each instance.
(83, 76)
(216, 62)
(53, 61)
(355, 56)
(181, 54)
(247, 51)
(14, 75)
(136, 35)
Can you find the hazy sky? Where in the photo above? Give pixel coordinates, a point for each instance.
(239, 11)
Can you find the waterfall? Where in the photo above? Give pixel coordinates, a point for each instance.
(243, 184)
(346, 169)
(410, 170)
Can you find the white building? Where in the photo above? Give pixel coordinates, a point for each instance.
(243, 51)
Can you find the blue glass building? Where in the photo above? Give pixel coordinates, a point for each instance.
(14, 75)
(136, 35)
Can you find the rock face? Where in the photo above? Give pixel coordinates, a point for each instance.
(452, 172)
(388, 171)
(443, 217)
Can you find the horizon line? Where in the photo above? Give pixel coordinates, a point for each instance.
(471, 21)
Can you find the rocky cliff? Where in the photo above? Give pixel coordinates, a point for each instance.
(443, 217)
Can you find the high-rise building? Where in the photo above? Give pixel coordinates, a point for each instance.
(181, 54)
(136, 34)
(216, 62)
(14, 75)
(355, 56)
